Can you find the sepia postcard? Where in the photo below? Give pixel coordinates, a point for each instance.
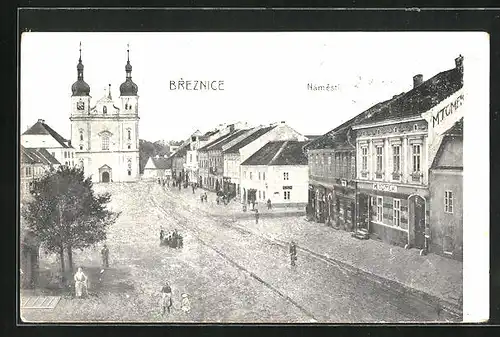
(264, 177)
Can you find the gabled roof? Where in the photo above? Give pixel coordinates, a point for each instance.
(457, 130)
(422, 98)
(40, 128)
(443, 155)
(232, 136)
(162, 163)
(37, 156)
(284, 152)
(244, 142)
(213, 142)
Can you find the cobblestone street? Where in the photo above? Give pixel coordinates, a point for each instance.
(231, 274)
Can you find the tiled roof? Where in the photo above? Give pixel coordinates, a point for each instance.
(285, 152)
(40, 128)
(213, 142)
(232, 136)
(162, 163)
(235, 148)
(422, 98)
(443, 157)
(340, 134)
(181, 151)
(37, 156)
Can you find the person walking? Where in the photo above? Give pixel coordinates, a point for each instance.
(105, 256)
(192, 186)
(268, 203)
(256, 216)
(80, 282)
(293, 253)
(162, 234)
(166, 298)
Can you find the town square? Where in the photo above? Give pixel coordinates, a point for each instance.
(179, 206)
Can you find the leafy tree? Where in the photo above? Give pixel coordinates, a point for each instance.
(66, 214)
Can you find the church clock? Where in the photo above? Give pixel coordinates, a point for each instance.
(80, 105)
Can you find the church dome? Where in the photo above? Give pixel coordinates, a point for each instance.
(80, 88)
(128, 88)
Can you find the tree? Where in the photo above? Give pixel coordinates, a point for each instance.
(66, 214)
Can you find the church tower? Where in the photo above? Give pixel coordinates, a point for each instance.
(105, 136)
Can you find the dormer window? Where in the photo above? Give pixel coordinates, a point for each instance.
(104, 109)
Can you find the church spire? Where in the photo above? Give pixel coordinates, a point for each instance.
(128, 88)
(128, 66)
(80, 88)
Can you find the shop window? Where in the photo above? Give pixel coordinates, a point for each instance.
(380, 209)
(396, 212)
(448, 201)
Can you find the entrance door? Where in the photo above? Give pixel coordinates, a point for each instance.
(419, 220)
(353, 216)
(105, 177)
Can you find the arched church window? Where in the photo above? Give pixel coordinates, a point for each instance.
(81, 135)
(104, 109)
(105, 142)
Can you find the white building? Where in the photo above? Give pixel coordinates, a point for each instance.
(34, 163)
(235, 155)
(40, 135)
(158, 167)
(277, 172)
(106, 136)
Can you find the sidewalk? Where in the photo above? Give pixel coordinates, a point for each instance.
(433, 278)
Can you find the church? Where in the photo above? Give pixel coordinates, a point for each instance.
(106, 136)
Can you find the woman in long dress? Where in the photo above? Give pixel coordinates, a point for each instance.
(80, 282)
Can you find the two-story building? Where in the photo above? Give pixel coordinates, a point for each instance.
(158, 167)
(241, 151)
(393, 154)
(332, 174)
(41, 135)
(277, 172)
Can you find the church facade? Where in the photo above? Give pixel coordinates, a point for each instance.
(106, 135)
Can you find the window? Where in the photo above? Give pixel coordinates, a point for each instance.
(104, 109)
(129, 172)
(105, 142)
(28, 171)
(416, 157)
(81, 135)
(72, 155)
(380, 154)
(415, 127)
(259, 175)
(128, 146)
(364, 158)
(396, 158)
(448, 201)
(81, 147)
(190, 156)
(259, 195)
(65, 154)
(129, 137)
(286, 195)
(285, 175)
(264, 195)
(380, 209)
(396, 212)
(263, 175)
(250, 175)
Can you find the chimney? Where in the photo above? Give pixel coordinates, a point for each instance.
(459, 63)
(41, 121)
(417, 80)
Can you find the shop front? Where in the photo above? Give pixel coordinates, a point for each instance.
(396, 214)
(344, 205)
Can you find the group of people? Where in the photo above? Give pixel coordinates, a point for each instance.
(172, 239)
(167, 303)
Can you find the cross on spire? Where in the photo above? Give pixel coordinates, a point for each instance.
(80, 59)
(128, 53)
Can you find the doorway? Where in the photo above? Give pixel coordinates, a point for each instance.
(105, 177)
(417, 205)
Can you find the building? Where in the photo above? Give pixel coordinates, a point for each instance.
(158, 167)
(394, 148)
(332, 175)
(277, 172)
(446, 195)
(191, 165)
(106, 135)
(178, 159)
(42, 136)
(241, 151)
(34, 163)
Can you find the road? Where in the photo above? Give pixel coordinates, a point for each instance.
(230, 274)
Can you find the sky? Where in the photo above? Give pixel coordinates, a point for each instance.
(265, 74)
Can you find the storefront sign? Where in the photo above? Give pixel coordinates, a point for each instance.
(449, 109)
(287, 187)
(385, 187)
